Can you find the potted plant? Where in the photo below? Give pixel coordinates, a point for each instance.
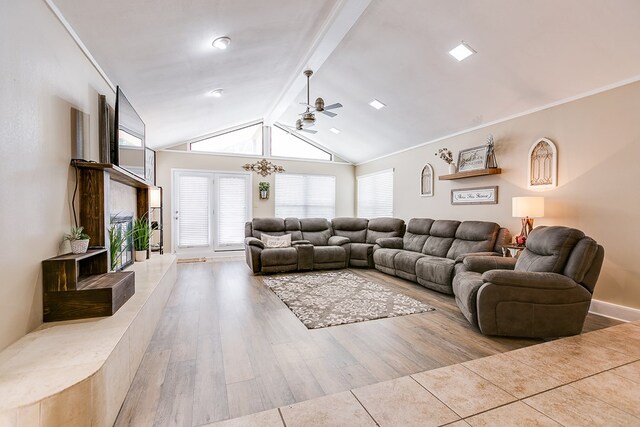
(78, 239)
(446, 155)
(264, 189)
(117, 244)
(141, 232)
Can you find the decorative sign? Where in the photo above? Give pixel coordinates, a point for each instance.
(475, 196)
(263, 167)
(473, 159)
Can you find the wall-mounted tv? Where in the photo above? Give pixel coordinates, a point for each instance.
(127, 150)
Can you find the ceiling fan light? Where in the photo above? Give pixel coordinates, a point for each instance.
(221, 43)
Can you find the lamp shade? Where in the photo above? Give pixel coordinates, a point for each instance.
(155, 197)
(532, 207)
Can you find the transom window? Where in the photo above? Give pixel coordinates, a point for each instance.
(287, 144)
(246, 140)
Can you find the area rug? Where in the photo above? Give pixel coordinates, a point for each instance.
(338, 297)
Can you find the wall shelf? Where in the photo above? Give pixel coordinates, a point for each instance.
(117, 173)
(469, 174)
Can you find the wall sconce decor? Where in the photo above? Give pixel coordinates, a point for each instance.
(263, 167)
(264, 190)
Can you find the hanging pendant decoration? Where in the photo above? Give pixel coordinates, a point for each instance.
(263, 167)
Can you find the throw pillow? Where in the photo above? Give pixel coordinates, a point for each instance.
(276, 241)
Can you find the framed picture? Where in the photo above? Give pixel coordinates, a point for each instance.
(426, 181)
(150, 165)
(473, 159)
(475, 196)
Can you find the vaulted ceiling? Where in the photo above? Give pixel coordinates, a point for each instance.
(530, 54)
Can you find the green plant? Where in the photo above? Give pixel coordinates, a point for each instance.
(117, 243)
(263, 186)
(141, 233)
(77, 233)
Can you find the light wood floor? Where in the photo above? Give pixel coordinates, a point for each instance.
(226, 346)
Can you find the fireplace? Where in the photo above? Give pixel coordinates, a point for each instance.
(123, 225)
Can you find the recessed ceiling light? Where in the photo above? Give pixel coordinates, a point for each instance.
(217, 93)
(376, 104)
(221, 43)
(462, 51)
(335, 130)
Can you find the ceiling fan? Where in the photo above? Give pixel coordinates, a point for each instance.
(308, 118)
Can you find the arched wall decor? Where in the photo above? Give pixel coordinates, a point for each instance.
(543, 165)
(426, 181)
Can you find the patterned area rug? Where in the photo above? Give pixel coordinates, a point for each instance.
(338, 297)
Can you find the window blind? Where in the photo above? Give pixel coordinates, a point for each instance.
(375, 194)
(193, 210)
(305, 196)
(233, 209)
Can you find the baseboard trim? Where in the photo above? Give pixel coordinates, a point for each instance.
(614, 311)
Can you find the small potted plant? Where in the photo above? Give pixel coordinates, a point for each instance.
(141, 237)
(264, 189)
(446, 155)
(78, 239)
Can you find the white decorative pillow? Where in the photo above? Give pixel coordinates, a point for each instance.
(276, 241)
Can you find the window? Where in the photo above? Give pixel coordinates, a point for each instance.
(286, 144)
(305, 196)
(375, 194)
(246, 140)
(232, 210)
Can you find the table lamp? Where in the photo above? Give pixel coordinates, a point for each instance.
(526, 208)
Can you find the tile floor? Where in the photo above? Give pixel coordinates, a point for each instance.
(592, 379)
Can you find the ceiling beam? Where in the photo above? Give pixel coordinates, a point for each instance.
(342, 18)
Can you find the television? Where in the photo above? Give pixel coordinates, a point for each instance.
(128, 146)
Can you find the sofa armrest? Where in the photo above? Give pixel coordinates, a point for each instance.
(461, 257)
(252, 241)
(300, 242)
(480, 264)
(390, 242)
(529, 279)
(338, 240)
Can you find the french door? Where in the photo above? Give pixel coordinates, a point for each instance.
(209, 211)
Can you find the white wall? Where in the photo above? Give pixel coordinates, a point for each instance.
(44, 74)
(598, 140)
(167, 160)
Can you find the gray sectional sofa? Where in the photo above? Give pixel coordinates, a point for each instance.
(316, 243)
(430, 250)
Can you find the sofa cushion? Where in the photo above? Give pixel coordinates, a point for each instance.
(279, 256)
(435, 269)
(474, 236)
(361, 251)
(548, 249)
(441, 236)
(271, 226)
(581, 259)
(384, 257)
(384, 227)
(417, 234)
(406, 261)
(316, 230)
(276, 241)
(292, 226)
(329, 254)
(353, 228)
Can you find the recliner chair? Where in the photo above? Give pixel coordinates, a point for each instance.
(546, 292)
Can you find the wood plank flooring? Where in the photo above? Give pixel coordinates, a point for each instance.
(226, 346)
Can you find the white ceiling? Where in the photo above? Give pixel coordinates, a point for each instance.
(530, 54)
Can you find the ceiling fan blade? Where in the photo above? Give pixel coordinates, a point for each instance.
(332, 106)
(328, 113)
(309, 130)
(304, 103)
